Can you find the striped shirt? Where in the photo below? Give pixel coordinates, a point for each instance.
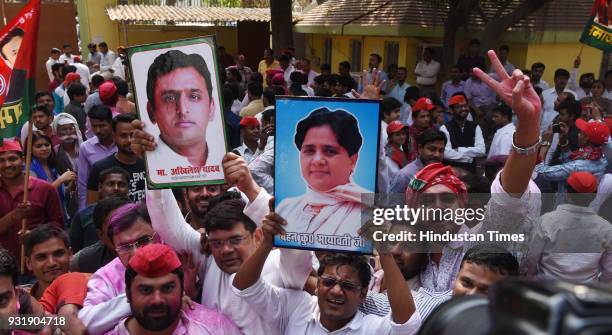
(425, 302)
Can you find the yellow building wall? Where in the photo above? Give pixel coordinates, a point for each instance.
(562, 55)
(100, 27)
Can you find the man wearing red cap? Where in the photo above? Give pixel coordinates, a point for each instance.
(465, 140)
(589, 157)
(154, 289)
(572, 243)
(249, 131)
(512, 192)
(43, 204)
(421, 121)
(82, 70)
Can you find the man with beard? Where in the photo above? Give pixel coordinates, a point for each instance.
(197, 198)
(465, 140)
(123, 158)
(43, 205)
(431, 144)
(421, 120)
(48, 253)
(154, 289)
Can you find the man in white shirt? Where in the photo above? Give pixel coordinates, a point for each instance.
(341, 287)
(83, 71)
(108, 57)
(572, 243)
(397, 90)
(583, 87)
(53, 58)
(94, 58)
(308, 72)
(502, 140)
(537, 71)
(285, 64)
(427, 73)
(465, 140)
(67, 57)
(550, 95)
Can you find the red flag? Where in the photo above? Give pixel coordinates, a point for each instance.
(18, 41)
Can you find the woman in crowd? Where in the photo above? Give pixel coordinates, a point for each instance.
(44, 166)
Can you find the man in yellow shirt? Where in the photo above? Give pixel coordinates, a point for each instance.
(268, 63)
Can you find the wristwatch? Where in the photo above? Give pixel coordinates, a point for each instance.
(530, 150)
(545, 144)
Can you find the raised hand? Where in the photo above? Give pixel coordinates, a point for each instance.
(370, 90)
(272, 225)
(141, 140)
(515, 90)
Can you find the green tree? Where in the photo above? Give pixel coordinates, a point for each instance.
(507, 14)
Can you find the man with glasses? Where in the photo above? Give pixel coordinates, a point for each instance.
(106, 304)
(231, 237)
(465, 140)
(341, 287)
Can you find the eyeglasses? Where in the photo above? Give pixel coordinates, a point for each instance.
(233, 242)
(141, 242)
(345, 285)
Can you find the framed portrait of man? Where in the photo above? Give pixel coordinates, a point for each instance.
(177, 96)
(326, 156)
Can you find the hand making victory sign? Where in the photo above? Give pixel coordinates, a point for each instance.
(518, 93)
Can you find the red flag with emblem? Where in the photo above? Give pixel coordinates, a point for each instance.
(18, 69)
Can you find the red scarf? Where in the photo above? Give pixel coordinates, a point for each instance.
(397, 155)
(590, 153)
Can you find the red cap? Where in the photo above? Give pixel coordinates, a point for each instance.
(272, 72)
(422, 104)
(278, 79)
(597, 132)
(77, 58)
(71, 77)
(583, 182)
(394, 127)
(10, 146)
(107, 90)
(154, 260)
(457, 99)
(249, 121)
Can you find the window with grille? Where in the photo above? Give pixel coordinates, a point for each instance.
(391, 53)
(356, 55)
(327, 51)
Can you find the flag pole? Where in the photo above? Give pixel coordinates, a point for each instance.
(26, 184)
(581, 48)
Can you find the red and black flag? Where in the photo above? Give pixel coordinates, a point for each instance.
(18, 69)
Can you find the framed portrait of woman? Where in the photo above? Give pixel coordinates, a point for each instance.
(326, 154)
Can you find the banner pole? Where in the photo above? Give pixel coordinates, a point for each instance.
(581, 48)
(26, 184)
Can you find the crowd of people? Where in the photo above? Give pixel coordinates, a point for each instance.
(113, 257)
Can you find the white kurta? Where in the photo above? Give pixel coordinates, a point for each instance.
(315, 216)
